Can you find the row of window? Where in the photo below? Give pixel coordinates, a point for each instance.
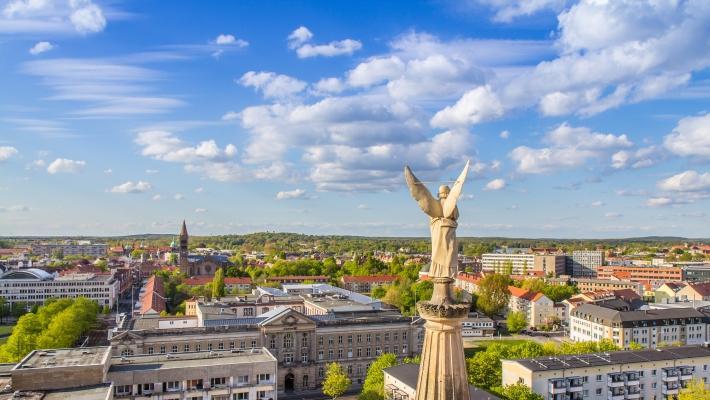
(190, 384)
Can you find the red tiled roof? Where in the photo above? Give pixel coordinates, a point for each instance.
(369, 278)
(203, 280)
(524, 294)
(469, 278)
(703, 289)
(154, 297)
(298, 278)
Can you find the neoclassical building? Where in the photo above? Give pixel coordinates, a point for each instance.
(302, 344)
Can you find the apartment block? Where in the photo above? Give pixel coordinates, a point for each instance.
(367, 283)
(619, 375)
(584, 263)
(524, 263)
(593, 285)
(34, 286)
(655, 276)
(537, 308)
(90, 250)
(649, 328)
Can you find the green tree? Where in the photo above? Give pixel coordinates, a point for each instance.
(520, 391)
(493, 294)
(106, 310)
(218, 284)
(379, 292)
(373, 388)
(636, 346)
(336, 381)
(4, 311)
(517, 321)
(484, 369)
(696, 390)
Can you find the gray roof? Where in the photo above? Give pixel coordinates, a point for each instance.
(608, 316)
(409, 374)
(613, 358)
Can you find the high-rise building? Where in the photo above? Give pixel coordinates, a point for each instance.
(584, 263)
(524, 263)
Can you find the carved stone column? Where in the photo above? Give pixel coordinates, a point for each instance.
(442, 373)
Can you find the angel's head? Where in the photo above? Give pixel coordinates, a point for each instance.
(443, 191)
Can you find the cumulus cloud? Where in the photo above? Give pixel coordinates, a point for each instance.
(6, 152)
(64, 165)
(272, 85)
(179, 196)
(230, 40)
(690, 138)
(687, 181)
(659, 201)
(41, 47)
(597, 203)
(612, 215)
(570, 147)
(131, 187)
(200, 210)
(42, 17)
(504, 134)
(299, 40)
(495, 184)
(640, 158)
(157, 197)
(291, 194)
(375, 70)
(478, 105)
(328, 86)
(230, 116)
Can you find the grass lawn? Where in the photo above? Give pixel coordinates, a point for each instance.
(5, 331)
(473, 347)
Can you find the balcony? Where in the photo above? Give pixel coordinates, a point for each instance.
(615, 395)
(668, 391)
(558, 387)
(686, 373)
(616, 380)
(670, 375)
(632, 378)
(576, 396)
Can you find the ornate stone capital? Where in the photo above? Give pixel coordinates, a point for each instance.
(429, 310)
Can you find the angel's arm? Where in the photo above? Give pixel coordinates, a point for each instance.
(421, 194)
(455, 192)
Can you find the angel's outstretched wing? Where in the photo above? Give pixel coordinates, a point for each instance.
(421, 194)
(450, 201)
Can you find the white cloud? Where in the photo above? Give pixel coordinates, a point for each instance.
(299, 40)
(230, 115)
(272, 85)
(230, 40)
(299, 36)
(363, 207)
(659, 201)
(570, 147)
(199, 190)
(375, 70)
(691, 137)
(64, 165)
(6, 152)
(131, 187)
(477, 105)
(179, 196)
(332, 49)
(41, 47)
(151, 171)
(55, 17)
(597, 203)
(163, 145)
(328, 86)
(37, 164)
(613, 215)
(495, 184)
(641, 158)
(200, 210)
(106, 88)
(688, 181)
(16, 208)
(157, 197)
(508, 10)
(504, 134)
(291, 194)
(107, 171)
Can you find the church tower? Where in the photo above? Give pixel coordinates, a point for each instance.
(182, 252)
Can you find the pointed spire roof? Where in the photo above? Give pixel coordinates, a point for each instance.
(183, 230)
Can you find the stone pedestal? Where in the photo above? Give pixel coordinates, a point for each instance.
(442, 373)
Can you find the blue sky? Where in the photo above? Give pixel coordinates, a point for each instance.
(581, 118)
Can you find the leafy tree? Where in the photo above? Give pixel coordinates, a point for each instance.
(517, 321)
(336, 381)
(373, 388)
(484, 369)
(696, 390)
(4, 311)
(379, 292)
(172, 259)
(635, 346)
(218, 284)
(520, 391)
(18, 309)
(106, 310)
(493, 294)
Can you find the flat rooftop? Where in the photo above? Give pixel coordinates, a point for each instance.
(189, 360)
(409, 374)
(612, 358)
(55, 358)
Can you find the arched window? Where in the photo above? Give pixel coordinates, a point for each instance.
(305, 381)
(126, 352)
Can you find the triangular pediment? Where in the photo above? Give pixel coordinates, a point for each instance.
(126, 336)
(287, 317)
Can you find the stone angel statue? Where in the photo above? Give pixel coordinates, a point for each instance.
(443, 214)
